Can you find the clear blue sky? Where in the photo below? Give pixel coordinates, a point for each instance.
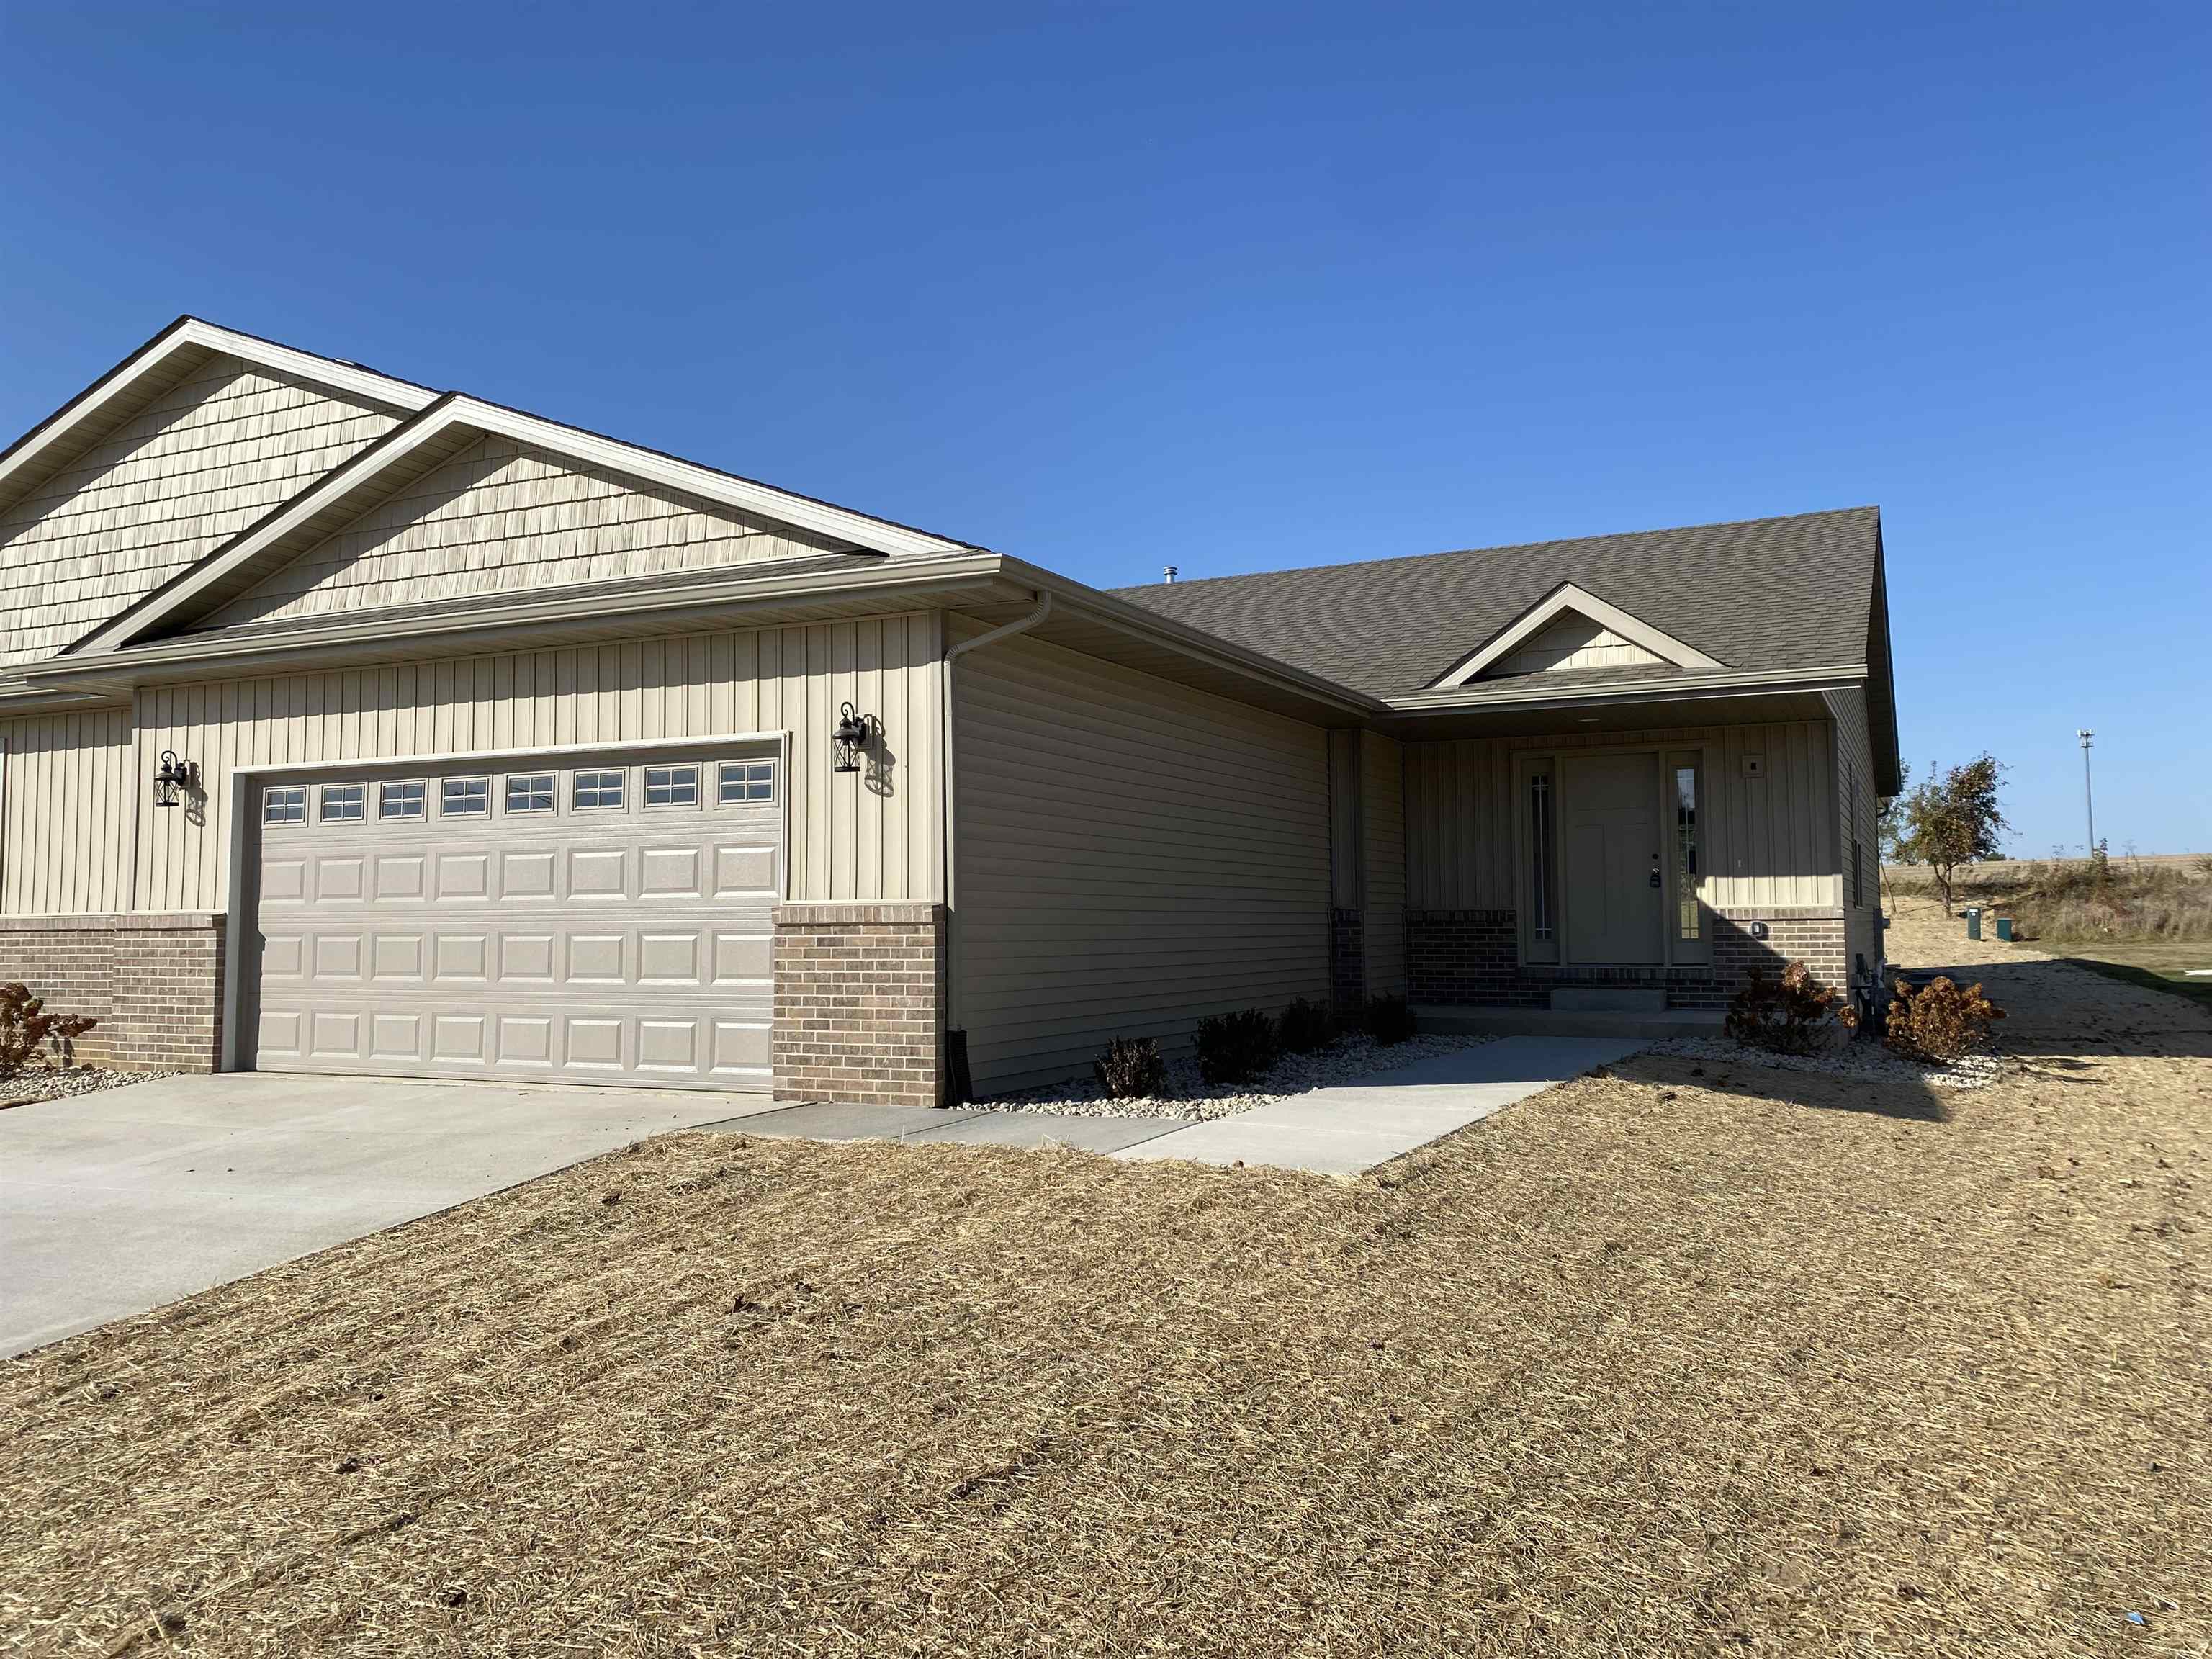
(1235, 289)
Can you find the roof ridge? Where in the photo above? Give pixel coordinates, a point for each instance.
(1506, 547)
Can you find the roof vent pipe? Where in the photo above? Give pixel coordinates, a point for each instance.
(1171, 572)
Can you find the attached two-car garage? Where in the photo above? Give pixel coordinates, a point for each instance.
(605, 918)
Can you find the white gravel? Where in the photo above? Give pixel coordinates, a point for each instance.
(1848, 1057)
(1188, 1097)
(43, 1085)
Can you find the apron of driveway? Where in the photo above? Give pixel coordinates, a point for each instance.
(1342, 1131)
(118, 1201)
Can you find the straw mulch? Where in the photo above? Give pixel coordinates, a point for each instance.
(1659, 1363)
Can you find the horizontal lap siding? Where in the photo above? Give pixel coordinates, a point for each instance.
(1133, 855)
(1383, 836)
(870, 835)
(1770, 841)
(1855, 765)
(67, 794)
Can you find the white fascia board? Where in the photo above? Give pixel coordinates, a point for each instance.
(1733, 683)
(839, 522)
(455, 410)
(1565, 598)
(188, 333)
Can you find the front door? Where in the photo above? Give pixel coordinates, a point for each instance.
(1616, 898)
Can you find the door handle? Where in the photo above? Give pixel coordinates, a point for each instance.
(1656, 882)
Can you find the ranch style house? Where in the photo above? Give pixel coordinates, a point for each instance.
(350, 725)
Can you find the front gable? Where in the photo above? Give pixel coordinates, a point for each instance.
(84, 538)
(469, 500)
(502, 516)
(1573, 630)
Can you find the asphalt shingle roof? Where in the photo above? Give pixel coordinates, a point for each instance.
(1761, 594)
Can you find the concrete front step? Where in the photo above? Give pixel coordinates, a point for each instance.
(1608, 1000)
(1462, 1018)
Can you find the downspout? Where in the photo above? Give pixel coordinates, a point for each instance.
(956, 1035)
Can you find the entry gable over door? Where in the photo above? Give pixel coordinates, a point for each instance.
(1573, 629)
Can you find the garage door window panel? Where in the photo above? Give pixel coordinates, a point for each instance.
(598, 791)
(671, 785)
(464, 798)
(285, 805)
(746, 780)
(400, 800)
(529, 792)
(342, 803)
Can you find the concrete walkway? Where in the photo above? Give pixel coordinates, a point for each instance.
(1344, 1131)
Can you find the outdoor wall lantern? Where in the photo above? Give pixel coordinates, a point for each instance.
(174, 777)
(850, 737)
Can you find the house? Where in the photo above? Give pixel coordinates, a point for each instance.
(350, 725)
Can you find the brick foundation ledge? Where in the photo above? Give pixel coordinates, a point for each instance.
(152, 980)
(859, 1002)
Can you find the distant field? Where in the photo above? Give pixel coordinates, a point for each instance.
(2003, 872)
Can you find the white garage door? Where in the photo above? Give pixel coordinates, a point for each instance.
(608, 920)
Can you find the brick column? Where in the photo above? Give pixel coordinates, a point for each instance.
(154, 982)
(859, 1003)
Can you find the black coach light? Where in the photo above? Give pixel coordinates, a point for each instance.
(174, 777)
(851, 737)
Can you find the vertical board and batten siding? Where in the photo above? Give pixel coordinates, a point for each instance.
(198, 466)
(1133, 855)
(1771, 840)
(67, 795)
(1855, 788)
(870, 835)
(500, 517)
(1383, 836)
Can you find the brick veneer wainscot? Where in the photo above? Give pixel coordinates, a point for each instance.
(1348, 960)
(154, 982)
(859, 1000)
(1473, 956)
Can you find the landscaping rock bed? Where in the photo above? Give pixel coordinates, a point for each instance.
(1188, 1097)
(30, 1086)
(1868, 1060)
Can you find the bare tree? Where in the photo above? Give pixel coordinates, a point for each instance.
(1953, 818)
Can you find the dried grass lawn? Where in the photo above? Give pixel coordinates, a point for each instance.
(1658, 1363)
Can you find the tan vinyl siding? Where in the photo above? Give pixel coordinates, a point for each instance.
(1858, 810)
(1383, 779)
(1133, 855)
(67, 797)
(872, 834)
(500, 517)
(1771, 839)
(1575, 642)
(191, 470)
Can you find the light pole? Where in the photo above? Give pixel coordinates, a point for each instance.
(2088, 802)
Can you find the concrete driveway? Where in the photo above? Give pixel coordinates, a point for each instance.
(116, 1202)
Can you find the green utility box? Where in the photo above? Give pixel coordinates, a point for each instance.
(1973, 921)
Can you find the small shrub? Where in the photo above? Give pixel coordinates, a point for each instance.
(1304, 1027)
(1789, 1017)
(1389, 1020)
(28, 1032)
(1235, 1048)
(1940, 1021)
(1130, 1069)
